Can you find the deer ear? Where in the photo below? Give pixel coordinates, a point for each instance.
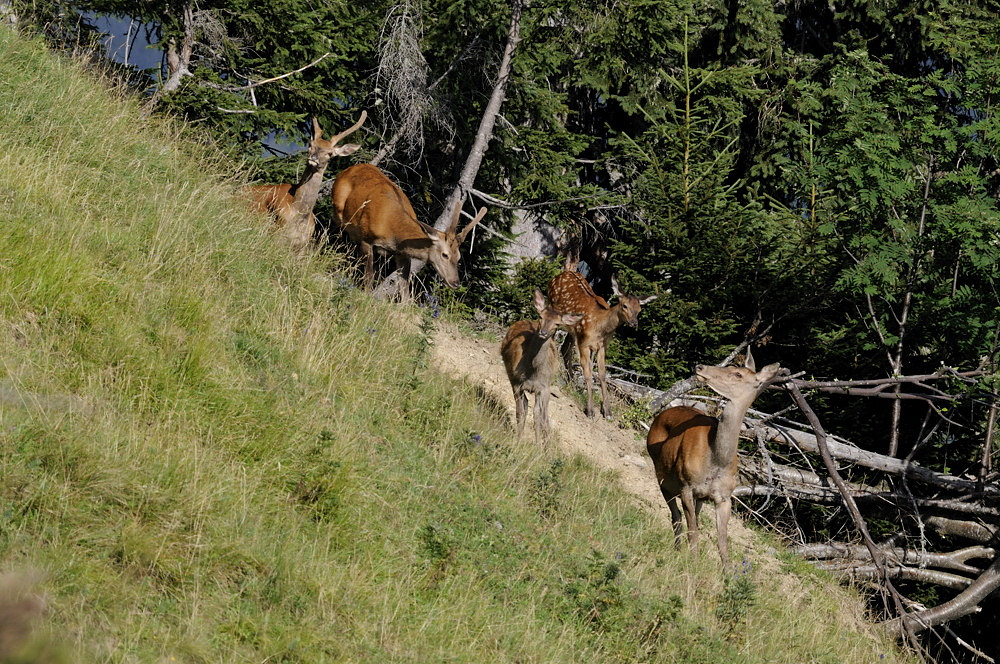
(344, 150)
(769, 372)
(317, 132)
(571, 319)
(539, 301)
(428, 229)
(648, 299)
(614, 286)
(749, 361)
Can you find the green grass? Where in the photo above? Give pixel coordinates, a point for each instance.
(213, 452)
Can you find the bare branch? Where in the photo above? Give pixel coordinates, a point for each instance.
(970, 530)
(870, 573)
(963, 604)
(954, 560)
(250, 86)
(877, 555)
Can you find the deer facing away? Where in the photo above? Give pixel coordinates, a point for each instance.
(694, 455)
(376, 214)
(292, 207)
(569, 291)
(531, 359)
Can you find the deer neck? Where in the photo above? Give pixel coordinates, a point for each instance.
(608, 323)
(307, 190)
(536, 349)
(727, 434)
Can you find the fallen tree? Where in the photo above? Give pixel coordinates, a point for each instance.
(945, 526)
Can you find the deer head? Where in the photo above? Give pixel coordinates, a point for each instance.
(629, 305)
(444, 251)
(321, 150)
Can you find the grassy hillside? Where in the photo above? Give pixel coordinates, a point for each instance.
(211, 452)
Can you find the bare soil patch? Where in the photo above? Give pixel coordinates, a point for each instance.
(605, 443)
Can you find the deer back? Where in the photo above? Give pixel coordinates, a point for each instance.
(569, 291)
(679, 442)
(372, 209)
(526, 356)
(275, 199)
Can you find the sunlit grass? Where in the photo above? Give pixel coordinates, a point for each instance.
(213, 452)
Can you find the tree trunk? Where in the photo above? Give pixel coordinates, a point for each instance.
(179, 61)
(485, 132)
(8, 15)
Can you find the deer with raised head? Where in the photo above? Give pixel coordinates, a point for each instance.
(292, 206)
(376, 214)
(694, 455)
(569, 291)
(531, 359)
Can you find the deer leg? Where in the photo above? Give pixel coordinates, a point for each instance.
(403, 267)
(691, 508)
(520, 410)
(367, 251)
(602, 376)
(723, 509)
(568, 345)
(542, 416)
(588, 378)
(675, 517)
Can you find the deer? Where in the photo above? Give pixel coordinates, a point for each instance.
(375, 213)
(292, 206)
(569, 291)
(531, 360)
(694, 454)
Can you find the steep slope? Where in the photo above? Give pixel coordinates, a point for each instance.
(606, 444)
(211, 451)
(619, 451)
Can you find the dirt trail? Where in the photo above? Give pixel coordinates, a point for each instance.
(606, 444)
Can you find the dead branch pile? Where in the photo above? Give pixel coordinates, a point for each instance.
(947, 526)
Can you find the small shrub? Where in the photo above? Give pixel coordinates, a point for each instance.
(436, 546)
(320, 483)
(596, 590)
(513, 300)
(738, 596)
(545, 491)
(633, 416)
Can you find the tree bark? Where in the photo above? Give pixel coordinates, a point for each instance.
(179, 61)
(8, 15)
(485, 131)
(953, 560)
(486, 124)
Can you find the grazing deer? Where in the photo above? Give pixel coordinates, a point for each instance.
(569, 291)
(375, 213)
(531, 360)
(292, 207)
(694, 455)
